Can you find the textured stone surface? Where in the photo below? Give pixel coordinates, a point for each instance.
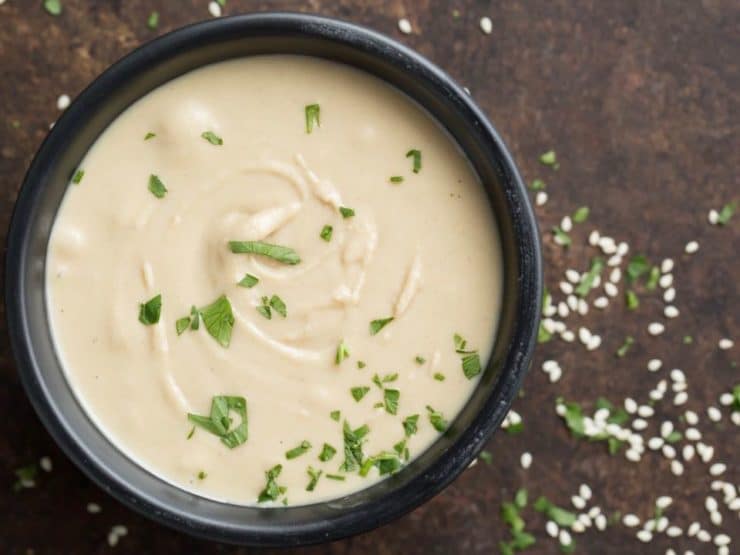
(640, 100)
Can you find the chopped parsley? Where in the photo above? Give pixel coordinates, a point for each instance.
(327, 453)
(725, 214)
(277, 304)
(248, 281)
(335, 415)
(156, 187)
(486, 457)
(53, 7)
(420, 359)
(326, 233)
(470, 359)
(353, 456)
(437, 420)
(191, 433)
(286, 255)
(272, 490)
(537, 185)
(313, 117)
(342, 353)
(264, 308)
(561, 237)
(25, 477)
(581, 214)
(589, 278)
(561, 517)
(314, 475)
(182, 324)
(687, 340)
(520, 539)
(212, 138)
(402, 450)
(637, 267)
(299, 450)
(346, 212)
(337, 477)
(149, 135)
(153, 21)
(628, 342)
(674, 437)
(390, 400)
(631, 299)
(415, 155)
(396, 179)
(652, 279)
(377, 325)
(385, 462)
(219, 320)
(549, 158)
(361, 364)
(219, 423)
(194, 318)
(386, 379)
(410, 425)
(150, 311)
(77, 177)
(202, 475)
(359, 392)
(439, 376)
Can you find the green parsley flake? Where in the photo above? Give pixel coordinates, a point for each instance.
(277, 304)
(543, 336)
(628, 342)
(149, 135)
(77, 177)
(589, 278)
(561, 237)
(439, 377)
(335, 415)
(537, 185)
(561, 517)
(353, 456)
(297, 451)
(361, 364)
(725, 214)
(272, 490)
(327, 453)
(156, 187)
(53, 7)
(219, 320)
(202, 475)
(191, 433)
(471, 365)
(420, 359)
(342, 353)
(286, 255)
(687, 340)
(212, 138)
(549, 158)
(194, 318)
(385, 462)
(390, 400)
(653, 278)
(581, 214)
(486, 457)
(326, 233)
(359, 392)
(248, 281)
(219, 422)
(264, 308)
(631, 299)
(25, 477)
(314, 475)
(396, 179)
(337, 477)
(346, 212)
(437, 420)
(674, 437)
(153, 21)
(150, 311)
(377, 325)
(313, 117)
(637, 267)
(410, 425)
(416, 156)
(182, 324)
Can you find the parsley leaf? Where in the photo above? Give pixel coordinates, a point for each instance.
(390, 399)
(359, 392)
(150, 311)
(725, 214)
(314, 475)
(416, 156)
(437, 420)
(219, 320)
(353, 456)
(326, 233)
(301, 449)
(248, 281)
(589, 278)
(342, 353)
(149, 135)
(313, 117)
(272, 490)
(581, 214)
(53, 7)
(77, 177)
(286, 255)
(410, 425)
(219, 422)
(471, 365)
(327, 453)
(277, 304)
(377, 325)
(153, 21)
(156, 187)
(212, 138)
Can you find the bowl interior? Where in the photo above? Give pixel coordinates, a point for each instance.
(161, 61)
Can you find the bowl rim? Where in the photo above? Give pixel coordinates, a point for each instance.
(450, 463)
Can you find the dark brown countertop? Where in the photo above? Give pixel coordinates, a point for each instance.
(640, 101)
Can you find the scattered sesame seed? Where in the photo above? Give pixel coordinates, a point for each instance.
(725, 343)
(214, 9)
(668, 451)
(670, 311)
(526, 460)
(670, 295)
(601, 302)
(566, 288)
(120, 530)
(710, 504)
(585, 492)
(552, 529)
(566, 224)
(568, 336)
(594, 342)
(644, 536)
(112, 539)
(623, 248)
(584, 520)
(610, 289)
(692, 434)
(45, 464)
(677, 375)
(680, 398)
(615, 275)
(631, 520)
(654, 364)
(655, 443)
(639, 424)
(564, 537)
(662, 524)
(578, 527)
(646, 411)
(716, 518)
(713, 216)
(666, 266)
(593, 238)
(693, 530)
(600, 522)
(726, 399)
(572, 275)
(665, 281)
(63, 102)
(688, 452)
(572, 302)
(630, 405)
(676, 467)
(703, 536)
(582, 307)
(607, 245)
(717, 469)
(578, 502)
(486, 25)
(721, 540)
(540, 199)
(714, 414)
(655, 328)
(563, 309)
(632, 455)
(692, 419)
(691, 247)
(93, 508)
(404, 25)
(673, 532)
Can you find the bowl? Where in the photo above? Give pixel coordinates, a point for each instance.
(160, 61)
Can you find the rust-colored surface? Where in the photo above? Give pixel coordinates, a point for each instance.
(640, 101)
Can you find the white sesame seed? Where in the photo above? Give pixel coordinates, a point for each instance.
(63, 102)
(601, 415)
(610, 289)
(676, 467)
(550, 310)
(703, 536)
(692, 434)
(120, 530)
(670, 311)
(560, 409)
(662, 524)
(566, 287)
(644, 536)
(630, 405)
(666, 428)
(691, 247)
(112, 539)
(710, 504)
(486, 25)
(693, 530)
(631, 520)
(639, 424)
(582, 307)
(716, 518)
(665, 281)
(593, 238)
(578, 502)
(656, 395)
(563, 310)
(717, 469)
(572, 275)
(691, 418)
(566, 224)
(614, 260)
(601, 302)
(654, 364)
(723, 550)
(600, 522)
(526, 460)
(584, 335)
(585, 492)
(734, 504)
(688, 452)
(214, 9)
(670, 551)
(584, 520)
(615, 275)
(632, 455)
(564, 537)
(666, 266)
(655, 443)
(679, 386)
(668, 451)
(552, 529)
(646, 411)
(540, 199)
(673, 531)
(706, 452)
(93, 508)
(735, 417)
(45, 464)
(594, 342)
(514, 417)
(568, 336)
(680, 398)
(404, 25)
(714, 414)
(721, 540)
(726, 399)
(655, 328)
(670, 295)
(713, 216)
(572, 301)
(725, 343)
(664, 501)
(607, 245)
(623, 248)
(550, 365)
(677, 375)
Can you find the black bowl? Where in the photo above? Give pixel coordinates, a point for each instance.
(171, 56)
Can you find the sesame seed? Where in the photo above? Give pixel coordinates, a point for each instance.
(639, 424)
(655, 328)
(514, 417)
(560, 409)
(610, 289)
(572, 302)
(714, 414)
(706, 452)
(677, 375)
(703, 536)
(578, 527)
(568, 336)
(563, 310)
(564, 537)
(631, 520)
(594, 342)
(404, 25)
(717, 469)
(630, 405)
(585, 492)
(735, 417)
(601, 302)
(693, 530)
(680, 398)
(593, 238)
(45, 464)
(726, 399)
(670, 311)
(582, 307)
(713, 216)
(623, 248)
(607, 245)
(723, 550)
(552, 529)
(716, 518)
(540, 199)
(666, 266)
(691, 247)
(668, 451)
(566, 287)
(120, 530)
(578, 502)
(644, 536)
(486, 25)
(566, 224)
(646, 411)
(721, 540)
(584, 335)
(679, 386)
(550, 365)
(654, 364)
(632, 455)
(670, 295)
(615, 275)
(665, 281)
(112, 539)
(584, 520)
(526, 460)
(93, 508)
(676, 467)
(725, 343)
(600, 522)
(688, 452)
(63, 102)
(673, 531)
(614, 260)
(655, 443)
(670, 551)
(214, 9)
(691, 418)
(710, 504)
(662, 524)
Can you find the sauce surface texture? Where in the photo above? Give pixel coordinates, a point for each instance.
(379, 216)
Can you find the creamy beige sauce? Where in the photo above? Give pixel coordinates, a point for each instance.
(424, 251)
